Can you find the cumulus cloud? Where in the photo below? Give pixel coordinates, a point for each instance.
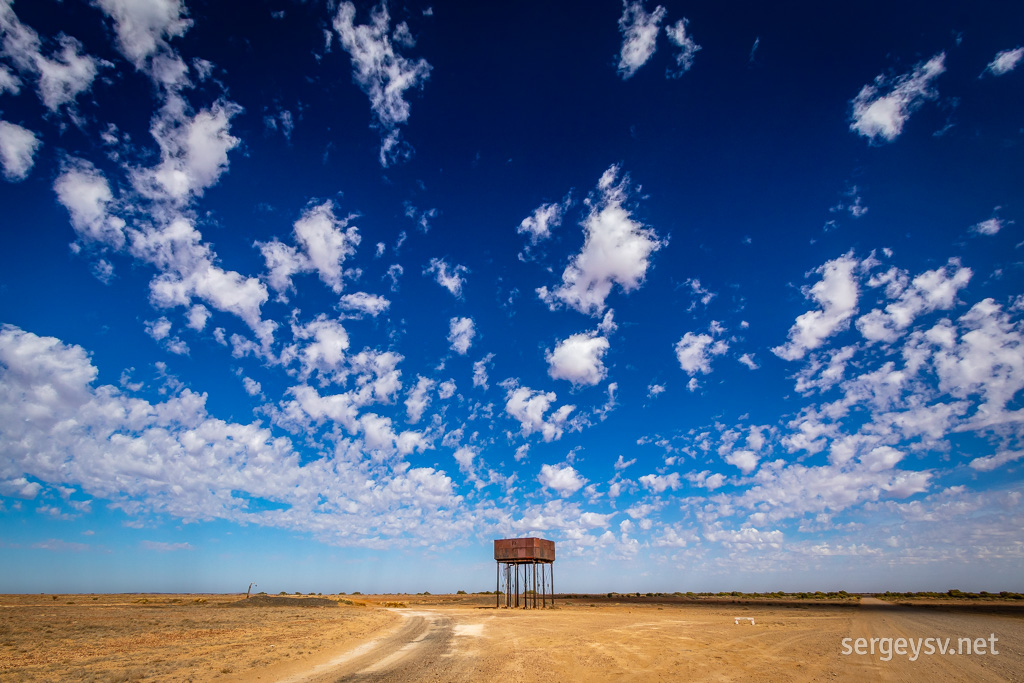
(932, 290)
(537, 226)
(616, 250)
(197, 317)
(688, 47)
(529, 408)
(695, 351)
(578, 359)
(17, 150)
(460, 334)
(324, 242)
(991, 462)
(419, 399)
(327, 242)
(836, 293)
(1005, 61)
(381, 72)
(361, 302)
(173, 458)
(60, 78)
(8, 81)
(745, 460)
(193, 151)
(881, 109)
(639, 30)
(480, 371)
(450, 277)
(659, 483)
(748, 360)
(988, 227)
(252, 387)
(83, 190)
(564, 480)
(465, 456)
(143, 28)
(187, 269)
(323, 344)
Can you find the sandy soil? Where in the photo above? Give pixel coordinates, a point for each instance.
(172, 637)
(462, 638)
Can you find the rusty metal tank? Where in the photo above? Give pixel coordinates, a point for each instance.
(524, 550)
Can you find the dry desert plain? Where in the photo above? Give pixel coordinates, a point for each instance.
(463, 638)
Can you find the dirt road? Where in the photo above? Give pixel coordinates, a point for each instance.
(420, 649)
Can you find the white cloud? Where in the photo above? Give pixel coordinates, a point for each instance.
(563, 480)
(143, 28)
(368, 304)
(654, 390)
(187, 270)
(252, 387)
(659, 483)
(449, 277)
(8, 81)
(17, 150)
(419, 399)
(327, 343)
(706, 479)
(158, 329)
(480, 371)
(695, 352)
(173, 459)
(464, 456)
(62, 77)
(1005, 61)
(382, 73)
(197, 317)
(446, 390)
(744, 459)
(578, 359)
(622, 464)
(932, 290)
(639, 30)
(85, 193)
(460, 334)
(688, 47)
(537, 227)
(837, 294)
(193, 151)
(616, 250)
(988, 227)
(326, 241)
(748, 360)
(991, 462)
(395, 271)
(529, 406)
(882, 116)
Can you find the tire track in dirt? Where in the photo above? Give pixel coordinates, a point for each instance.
(421, 649)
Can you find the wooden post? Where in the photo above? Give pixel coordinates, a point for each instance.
(497, 584)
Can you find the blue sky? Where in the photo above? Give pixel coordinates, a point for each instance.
(328, 296)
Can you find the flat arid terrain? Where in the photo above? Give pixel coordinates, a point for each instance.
(312, 639)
